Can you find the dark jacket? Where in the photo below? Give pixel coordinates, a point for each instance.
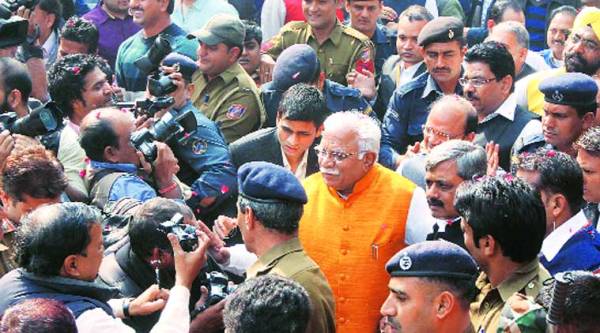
(263, 145)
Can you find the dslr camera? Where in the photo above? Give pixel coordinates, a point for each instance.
(13, 30)
(147, 106)
(42, 120)
(170, 128)
(159, 84)
(186, 234)
(8, 7)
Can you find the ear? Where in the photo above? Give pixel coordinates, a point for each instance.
(490, 24)
(588, 120)
(369, 159)
(488, 244)
(14, 98)
(506, 83)
(77, 106)
(5, 199)
(110, 154)
(444, 304)
(250, 219)
(234, 54)
(470, 137)
(319, 131)
(190, 88)
(69, 268)
(557, 204)
(523, 54)
(50, 19)
(164, 4)
(346, 4)
(277, 118)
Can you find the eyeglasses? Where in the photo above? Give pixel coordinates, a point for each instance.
(337, 156)
(432, 131)
(476, 82)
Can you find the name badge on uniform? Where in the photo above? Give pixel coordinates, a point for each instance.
(235, 111)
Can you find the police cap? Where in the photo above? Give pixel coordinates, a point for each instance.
(441, 30)
(267, 182)
(440, 259)
(297, 63)
(574, 89)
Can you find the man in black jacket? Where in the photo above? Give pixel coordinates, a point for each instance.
(300, 119)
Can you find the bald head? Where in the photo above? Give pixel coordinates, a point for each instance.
(450, 117)
(105, 135)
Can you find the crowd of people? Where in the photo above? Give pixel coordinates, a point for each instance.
(300, 166)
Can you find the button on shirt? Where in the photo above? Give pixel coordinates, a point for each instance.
(112, 32)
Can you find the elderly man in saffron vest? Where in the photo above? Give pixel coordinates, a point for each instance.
(358, 215)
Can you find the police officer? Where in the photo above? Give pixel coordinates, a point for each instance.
(299, 63)
(443, 48)
(223, 91)
(204, 161)
(569, 109)
(439, 276)
(340, 49)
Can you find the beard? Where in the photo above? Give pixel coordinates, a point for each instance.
(575, 63)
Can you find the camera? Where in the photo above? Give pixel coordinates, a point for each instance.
(186, 234)
(8, 7)
(147, 106)
(218, 288)
(160, 84)
(150, 62)
(13, 31)
(42, 120)
(169, 127)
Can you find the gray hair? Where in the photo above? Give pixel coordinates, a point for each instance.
(283, 217)
(365, 127)
(471, 159)
(516, 29)
(416, 13)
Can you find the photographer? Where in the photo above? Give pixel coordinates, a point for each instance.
(15, 87)
(78, 85)
(105, 138)
(31, 177)
(44, 24)
(60, 256)
(131, 264)
(205, 163)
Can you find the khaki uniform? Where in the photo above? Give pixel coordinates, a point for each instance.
(7, 254)
(231, 100)
(487, 308)
(338, 54)
(289, 260)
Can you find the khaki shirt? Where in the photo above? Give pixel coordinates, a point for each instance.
(231, 100)
(289, 260)
(7, 254)
(338, 54)
(487, 307)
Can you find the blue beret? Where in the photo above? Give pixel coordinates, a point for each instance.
(441, 29)
(574, 89)
(267, 182)
(187, 66)
(433, 259)
(297, 63)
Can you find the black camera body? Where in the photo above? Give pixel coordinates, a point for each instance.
(169, 127)
(160, 84)
(219, 288)
(150, 62)
(148, 107)
(42, 120)
(8, 7)
(186, 234)
(13, 31)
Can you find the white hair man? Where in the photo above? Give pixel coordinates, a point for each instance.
(358, 215)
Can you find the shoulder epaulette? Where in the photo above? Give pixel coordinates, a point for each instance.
(355, 33)
(294, 25)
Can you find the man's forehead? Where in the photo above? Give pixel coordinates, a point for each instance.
(443, 46)
(586, 32)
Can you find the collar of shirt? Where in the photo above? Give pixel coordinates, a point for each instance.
(519, 279)
(301, 169)
(271, 257)
(123, 167)
(557, 238)
(433, 86)
(335, 36)
(406, 74)
(506, 109)
(50, 44)
(73, 126)
(442, 224)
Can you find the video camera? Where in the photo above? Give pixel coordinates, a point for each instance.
(147, 106)
(43, 120)
(186, 234)
(169, 127)
(8, 7)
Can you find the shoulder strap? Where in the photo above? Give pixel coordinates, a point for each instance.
(100, 186)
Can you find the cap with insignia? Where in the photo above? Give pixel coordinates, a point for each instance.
(297, 63)
(186, 65)
(267, 182)
(221, 28)
(441, 30)
(575, 89)
(433, 259)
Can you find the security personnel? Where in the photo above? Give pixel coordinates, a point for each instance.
(569, 109)
(437, 275)
(340, 49)
(204, 161)
(299, 63)
(443, 48)
(224, 92)
(270, 205)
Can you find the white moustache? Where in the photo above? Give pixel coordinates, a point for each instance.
(332, 172)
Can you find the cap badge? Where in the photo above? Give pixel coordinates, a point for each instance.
(557, 96)
(450, 34)
(405, 263)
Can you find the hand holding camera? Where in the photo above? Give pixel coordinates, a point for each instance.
(188, 264)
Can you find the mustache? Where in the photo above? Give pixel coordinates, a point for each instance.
(470, 95)
(391, 322)
(333, 172)
(435, 203)
(575, 56)
(558, 41)
(441, 70)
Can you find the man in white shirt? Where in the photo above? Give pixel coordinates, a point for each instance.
(64, 268)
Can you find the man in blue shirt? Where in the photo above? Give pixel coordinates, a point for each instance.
(443, 49)
(154, 17)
